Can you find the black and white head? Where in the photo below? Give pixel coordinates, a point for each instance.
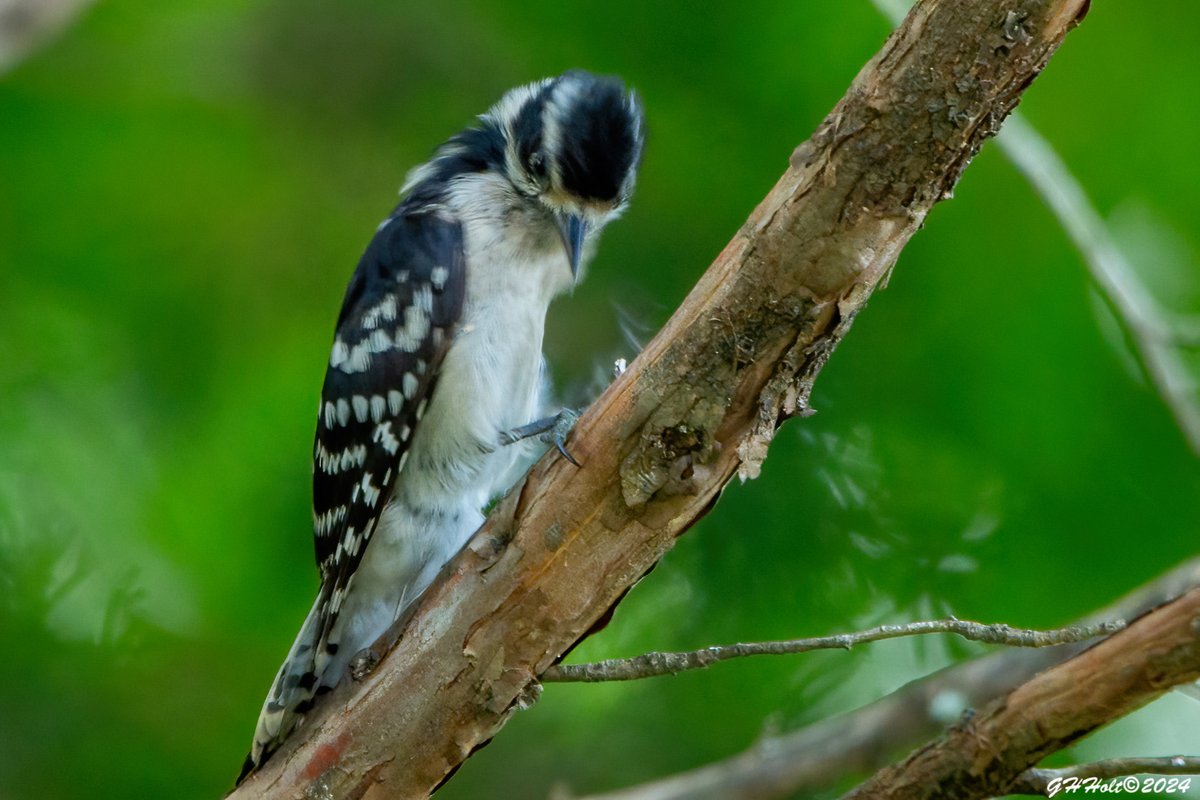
(573, 143)
(569, 145)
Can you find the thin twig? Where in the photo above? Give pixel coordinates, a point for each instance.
(650, 665)
(981, 756)
(26, 25)
(1040, 781)
(1155, 336)
(817, 756)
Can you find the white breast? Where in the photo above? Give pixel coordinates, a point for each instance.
(489, 381)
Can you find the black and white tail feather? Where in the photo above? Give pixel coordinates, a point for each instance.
(437, 355)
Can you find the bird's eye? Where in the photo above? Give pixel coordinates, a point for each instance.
(537, 165)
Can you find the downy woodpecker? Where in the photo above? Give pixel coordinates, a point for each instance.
(437, 357)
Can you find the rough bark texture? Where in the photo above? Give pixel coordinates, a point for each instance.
(700, 405)
(982, 756)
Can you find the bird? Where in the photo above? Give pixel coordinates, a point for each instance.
(436, 375)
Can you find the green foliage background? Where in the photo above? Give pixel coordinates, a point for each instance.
(185, 188)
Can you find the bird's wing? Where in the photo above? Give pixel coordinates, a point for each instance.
(396, 324)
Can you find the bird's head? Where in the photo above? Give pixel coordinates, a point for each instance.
(573, 143)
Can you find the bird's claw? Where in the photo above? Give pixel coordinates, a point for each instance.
(551, 430)
(564, 423)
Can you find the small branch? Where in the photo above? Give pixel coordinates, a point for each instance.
(860, 741)
(1038, 781)
(1153, 332)
(650, 665)
(984, 755)
(26, 25)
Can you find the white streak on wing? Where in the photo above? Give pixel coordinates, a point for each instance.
(360, 407)
(353, 457)
(378, 406)
(333, 463)
(416, 326)
(385, 310)
(395, 402)
(343, 411)
(383, 435)
(423, 298)
(359, 359)
(438, 276)
(410, 385)
(380, 342)
(340, 353)
(324, 523)
(369, 490)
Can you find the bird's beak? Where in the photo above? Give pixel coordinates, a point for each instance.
(573, 229)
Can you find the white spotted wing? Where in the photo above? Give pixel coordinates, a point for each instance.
(396, 323)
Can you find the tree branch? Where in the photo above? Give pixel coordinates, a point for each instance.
(1156, 335)
(25, 25)
(821, 754)
(984, 755)
(697, 407)
(649, 665)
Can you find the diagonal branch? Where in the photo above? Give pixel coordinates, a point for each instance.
(649, 665)
(26, 25)
(696, 408)
(1155, 334)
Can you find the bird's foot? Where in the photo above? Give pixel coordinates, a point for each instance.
(552, 430)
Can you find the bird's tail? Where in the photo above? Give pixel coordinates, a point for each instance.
(292, 692)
